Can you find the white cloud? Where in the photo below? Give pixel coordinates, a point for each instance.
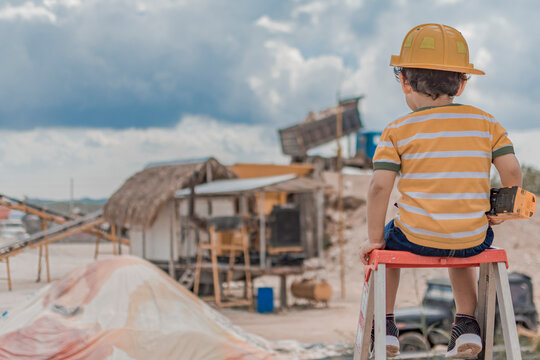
(290, 80)
(448, 2)
(40, 162)
(64, 3)
(274, 26)
(27, 11)
(314, 9)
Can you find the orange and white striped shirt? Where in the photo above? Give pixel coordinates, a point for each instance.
(444, 154)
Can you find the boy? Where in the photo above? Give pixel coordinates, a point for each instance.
(444, 152)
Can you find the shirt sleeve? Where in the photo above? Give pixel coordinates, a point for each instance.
(501, 144)
(386, 155)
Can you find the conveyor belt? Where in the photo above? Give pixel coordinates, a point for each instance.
(50, 215)
(55, 233)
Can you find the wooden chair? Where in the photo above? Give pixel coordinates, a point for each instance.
(238, 243)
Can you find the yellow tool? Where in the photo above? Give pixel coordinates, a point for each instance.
(511, 203)
(437, 47)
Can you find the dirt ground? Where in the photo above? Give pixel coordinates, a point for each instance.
(302, 322)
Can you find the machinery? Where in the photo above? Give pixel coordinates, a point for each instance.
(511, 203)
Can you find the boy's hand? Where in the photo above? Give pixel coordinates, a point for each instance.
(368, 247)
(492, 221)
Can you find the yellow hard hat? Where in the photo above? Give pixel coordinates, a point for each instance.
(437, 47)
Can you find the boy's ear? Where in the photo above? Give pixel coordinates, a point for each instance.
(407, 89)
(461, 87)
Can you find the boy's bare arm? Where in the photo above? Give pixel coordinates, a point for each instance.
(380, 188)
(509, 170)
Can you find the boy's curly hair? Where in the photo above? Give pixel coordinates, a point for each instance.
(433, 83)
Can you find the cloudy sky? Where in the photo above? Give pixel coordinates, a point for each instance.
(93, 90)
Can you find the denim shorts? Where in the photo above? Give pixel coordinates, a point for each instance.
(396, 240)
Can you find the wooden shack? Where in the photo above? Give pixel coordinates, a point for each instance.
(145, 204)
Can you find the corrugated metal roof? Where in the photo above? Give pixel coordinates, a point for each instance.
(176, 162)
(281, 183)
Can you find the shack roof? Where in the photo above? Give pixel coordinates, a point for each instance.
(140, 198)
(282, 183)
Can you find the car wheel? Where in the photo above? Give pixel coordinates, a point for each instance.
(412, 341)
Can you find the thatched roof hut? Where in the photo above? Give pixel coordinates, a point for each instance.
(139, 200)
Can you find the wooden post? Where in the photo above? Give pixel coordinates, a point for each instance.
(47, 263)
(283, 291)
(118, 242)
(115, 239)
(248, 284)
(262, 232)
(171, 241)
(96, 251)
(8, 274)
(215, 274)
(339, 134)
(40, 254)
(144, 242)
(320, 224)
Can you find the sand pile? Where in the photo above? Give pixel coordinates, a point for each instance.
(122, 308)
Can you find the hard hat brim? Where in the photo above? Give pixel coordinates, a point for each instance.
(394, 61)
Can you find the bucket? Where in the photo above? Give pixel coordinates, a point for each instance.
(265, 300)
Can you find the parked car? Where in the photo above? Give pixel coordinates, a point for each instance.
(430, 324)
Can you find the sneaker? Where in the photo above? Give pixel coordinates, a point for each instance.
(465, 341)
(392, 334)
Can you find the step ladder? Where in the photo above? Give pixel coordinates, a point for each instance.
(493, 280)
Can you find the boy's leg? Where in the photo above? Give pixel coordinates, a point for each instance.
(465, 289)
(465, 341)
(392, 283)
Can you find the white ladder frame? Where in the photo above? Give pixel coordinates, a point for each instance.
(374, 305)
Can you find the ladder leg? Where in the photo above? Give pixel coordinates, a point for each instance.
(363, 336)
(508, 321)
(486, 309)
(380, 312)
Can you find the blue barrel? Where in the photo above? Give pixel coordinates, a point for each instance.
(265, 300)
